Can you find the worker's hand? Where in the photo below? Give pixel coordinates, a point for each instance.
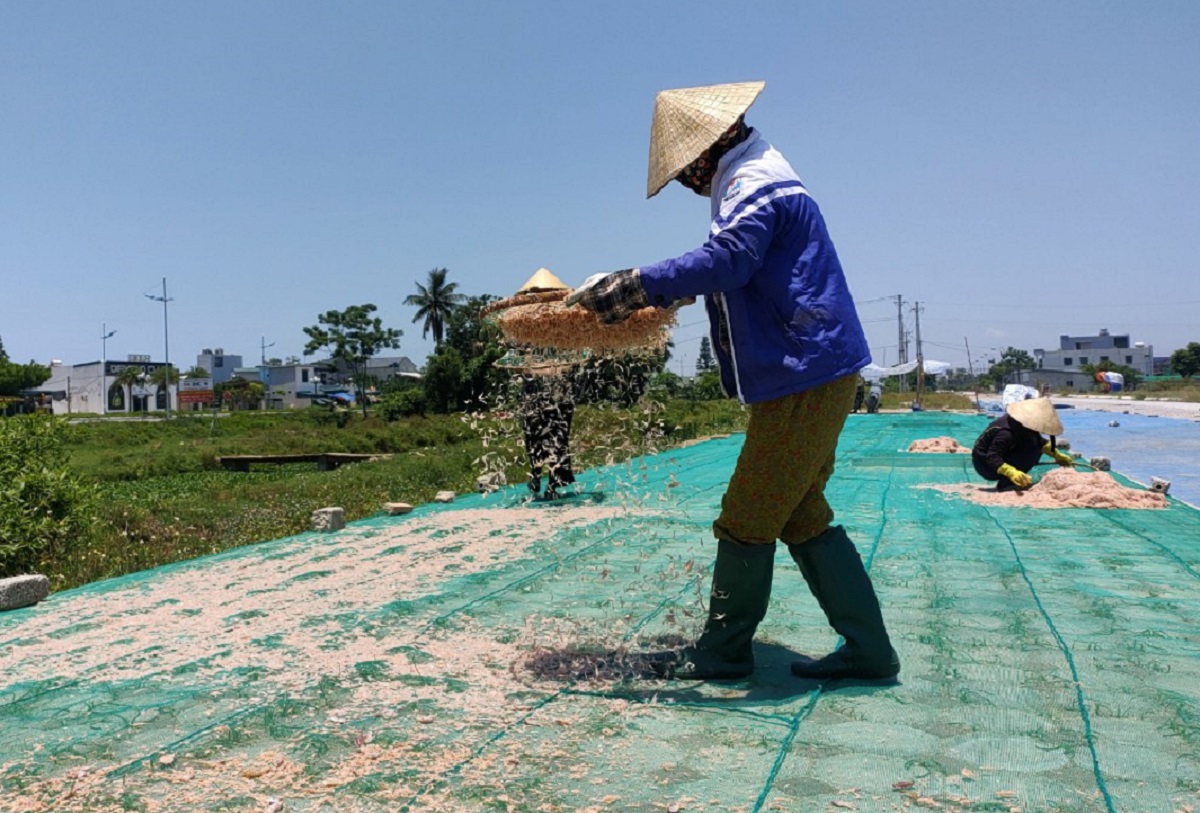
(612, 297)
(1019, 478)
(1060, 457)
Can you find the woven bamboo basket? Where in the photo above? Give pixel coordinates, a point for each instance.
(544, 320)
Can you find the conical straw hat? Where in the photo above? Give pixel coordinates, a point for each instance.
(542, 280)
(1037, 414)
(688, 121)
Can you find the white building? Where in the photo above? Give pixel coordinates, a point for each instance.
(84, 388)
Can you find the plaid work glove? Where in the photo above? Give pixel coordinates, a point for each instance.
(612, 297)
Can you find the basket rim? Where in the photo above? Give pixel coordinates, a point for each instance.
(523, 299)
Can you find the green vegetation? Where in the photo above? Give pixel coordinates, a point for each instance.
(44, 507)
(931, 400)
(17, 377)
(1186, 360)
(1177, 390)
(353, 337)
(435, 302)
(143, 494)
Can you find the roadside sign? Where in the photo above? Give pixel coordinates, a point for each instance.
(196, 391)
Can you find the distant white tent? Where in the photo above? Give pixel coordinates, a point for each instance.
(874, 371)
(1017, 392)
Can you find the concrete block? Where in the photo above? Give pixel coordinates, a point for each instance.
(1160, 485)
(397, 508)
(1100, 463)
(328, 519)
(23, 591)
(444, 496)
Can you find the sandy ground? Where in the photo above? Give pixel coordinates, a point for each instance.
(1189, 410)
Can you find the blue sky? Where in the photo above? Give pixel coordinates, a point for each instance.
(1022, 169)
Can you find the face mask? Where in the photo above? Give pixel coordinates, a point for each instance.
(698, 175)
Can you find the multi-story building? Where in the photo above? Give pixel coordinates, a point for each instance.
(1076, 351)
(220, 366)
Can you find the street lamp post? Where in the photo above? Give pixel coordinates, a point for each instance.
(166, 343)
(105, 335)
(142, 387)
(264, 373)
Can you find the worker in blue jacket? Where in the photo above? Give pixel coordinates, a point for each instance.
(789, 344)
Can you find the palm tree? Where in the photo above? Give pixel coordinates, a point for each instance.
(127, 378)
(162, 378)
(165, 375)
(435, 301)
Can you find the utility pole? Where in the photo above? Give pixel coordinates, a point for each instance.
(901, 340)
(105, 335)
(920, 355)
(166, 343)
(971, 370)
(264, 349)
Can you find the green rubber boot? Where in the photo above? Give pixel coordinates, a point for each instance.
(741, 589)
(835, 574)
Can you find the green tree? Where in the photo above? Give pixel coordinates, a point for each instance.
(707, 386)
(1186, 360)
(353, 336)
(197, 372)
(239, 393)
(17, 377)
(128, 378)
(435, 301)
(705, 360)
(666, 384)
(1011, 362)
(163, 378)
(446, 383)
(478, 344)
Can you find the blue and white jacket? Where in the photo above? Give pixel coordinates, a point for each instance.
(781, 314)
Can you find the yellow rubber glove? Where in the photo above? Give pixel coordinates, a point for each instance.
(1060, 457)
(1019, 478)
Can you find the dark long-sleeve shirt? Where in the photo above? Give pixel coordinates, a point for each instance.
(1006, 441)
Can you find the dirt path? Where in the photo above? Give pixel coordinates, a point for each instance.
(1188, 410)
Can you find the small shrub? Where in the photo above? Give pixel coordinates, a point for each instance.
(403, 404)
(44, 507)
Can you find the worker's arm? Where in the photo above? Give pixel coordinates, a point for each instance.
(1060, 457)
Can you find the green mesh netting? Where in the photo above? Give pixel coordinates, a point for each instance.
(1051, 659)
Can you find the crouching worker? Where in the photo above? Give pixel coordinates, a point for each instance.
(789, 344)
(1013, 444)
